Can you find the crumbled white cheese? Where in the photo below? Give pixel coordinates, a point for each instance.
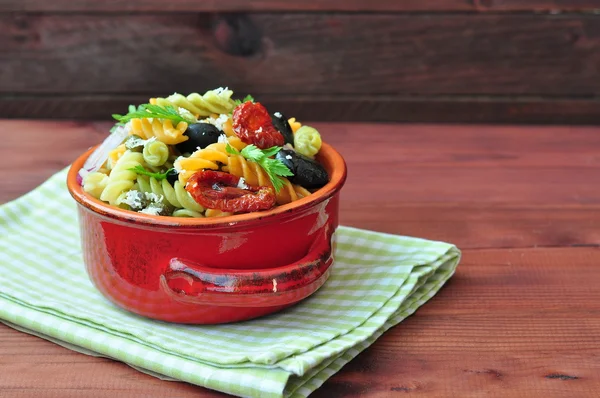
(151, 196)
(288, 157)
(177, 165)
(277, 114)
(152, 210)
(217, 122)
(133, 199)
(222, 139)
(242, 184)
(135, 142)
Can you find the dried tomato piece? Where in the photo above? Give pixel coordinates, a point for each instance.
(218, 190)
(252, 123)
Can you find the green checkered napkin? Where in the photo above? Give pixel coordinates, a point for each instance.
(377, 281)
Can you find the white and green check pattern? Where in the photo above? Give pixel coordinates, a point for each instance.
(377, 281)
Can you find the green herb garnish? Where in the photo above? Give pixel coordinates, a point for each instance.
(274, 168)
(246, 99)
(153, 111)
(159, 176)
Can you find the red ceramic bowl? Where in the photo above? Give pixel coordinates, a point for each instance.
(211, 270)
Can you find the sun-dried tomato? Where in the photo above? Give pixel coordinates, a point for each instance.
(252, 123)
(218, 190)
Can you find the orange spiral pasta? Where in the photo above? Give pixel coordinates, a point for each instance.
(212, 157)
(163, 130)
(255, 175)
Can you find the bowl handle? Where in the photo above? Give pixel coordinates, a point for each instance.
(189, 282)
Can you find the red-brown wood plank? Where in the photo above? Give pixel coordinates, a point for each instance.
(307, 5)
(510, 323)
(304, 54)
(340, 108)
(477, 186)
(237, 5)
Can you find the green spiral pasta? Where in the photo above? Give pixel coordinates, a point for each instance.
(121, 179)
(307, 141)
(156, 153)
(95, 183)
(173, 195)
(213, 101)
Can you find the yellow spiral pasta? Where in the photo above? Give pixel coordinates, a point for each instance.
(255, 175)
(121, 179)
(213, 101)
(114, 155)
(211, 157)
(94, 183)
(215, 157)
(163, 130)
(294, 124)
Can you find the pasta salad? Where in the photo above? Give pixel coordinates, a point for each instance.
(204, 156)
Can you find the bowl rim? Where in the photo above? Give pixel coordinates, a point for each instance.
(278, 213)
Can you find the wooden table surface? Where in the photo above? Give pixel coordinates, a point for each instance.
(521, 316)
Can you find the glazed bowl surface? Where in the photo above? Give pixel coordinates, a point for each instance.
(211, 270)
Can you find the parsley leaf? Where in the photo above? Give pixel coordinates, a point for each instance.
(246, 99)
(274, 168)
(153, 111)
(159, 176)
(231, 150)
(253, 153)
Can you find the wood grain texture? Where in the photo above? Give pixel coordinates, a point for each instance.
(510, 323)
(236, 5)
(306, 5)
(517, 319)
(476, 186)
(348, 108)
(304, 54)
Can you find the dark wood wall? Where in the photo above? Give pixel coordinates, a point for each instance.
(379, 60)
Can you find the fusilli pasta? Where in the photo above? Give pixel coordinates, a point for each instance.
(255, 175)
(156, 148)
(94, 183)
(155, 153)
(215, 157)
(211, 157)
(213, 101)
(174, 195)
(121, 179)
(163, 130)
(294, 124)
